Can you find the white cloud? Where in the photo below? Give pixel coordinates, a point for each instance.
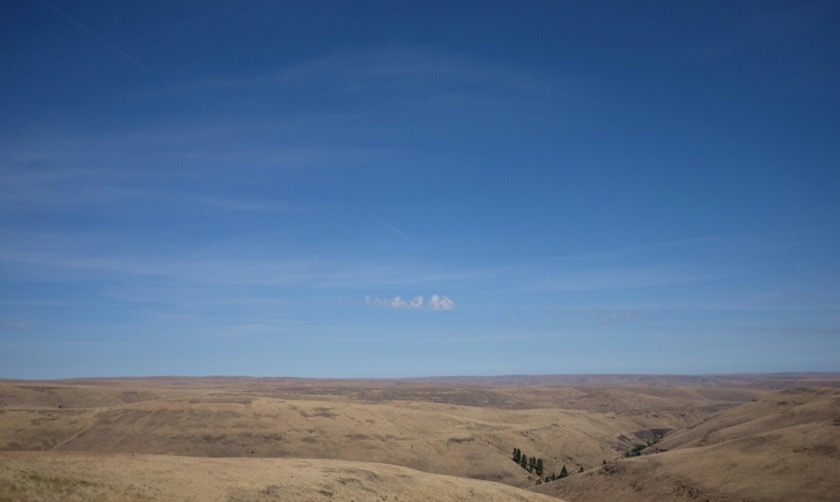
(441, 303)
(435, 302)
(396, 302)
(415, 303)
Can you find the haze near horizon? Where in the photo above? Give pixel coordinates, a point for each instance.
(381, 189)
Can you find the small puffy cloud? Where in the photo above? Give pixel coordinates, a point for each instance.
(396, 302)
(436, 302)
(415, 303)
(441, 303)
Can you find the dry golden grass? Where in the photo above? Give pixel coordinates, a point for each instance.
(464, 428)
(51, 476)
(364, 421)
(783, 447)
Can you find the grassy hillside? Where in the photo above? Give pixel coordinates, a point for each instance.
(51, 476)
(446, 428)
(724, 440)
(447, 439)
(780, 448)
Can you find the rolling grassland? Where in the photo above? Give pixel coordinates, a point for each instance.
(716, 438)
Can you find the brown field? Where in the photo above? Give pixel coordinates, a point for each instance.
(715, 438)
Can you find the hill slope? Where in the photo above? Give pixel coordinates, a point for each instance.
(211, 421)
(728, 441)
(51, 476)
(779, 448)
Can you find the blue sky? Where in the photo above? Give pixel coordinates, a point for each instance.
(388, 189)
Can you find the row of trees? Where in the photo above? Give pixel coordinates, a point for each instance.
(536, 465)
(531, 464)
(563, 473)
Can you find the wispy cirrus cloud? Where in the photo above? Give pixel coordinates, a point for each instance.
(74, 255)
(401, 76)
(385, 68)
(435, 303)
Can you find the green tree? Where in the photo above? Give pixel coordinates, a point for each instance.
(539, 467)
(532, 463)
(516, 455)
(523, 461)
(564, 472)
